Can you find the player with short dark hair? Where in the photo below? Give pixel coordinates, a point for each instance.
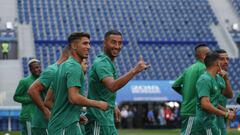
(38, 91)
(185, 84)
(222, 101)
(68, 86)
(104, 83)
(209, 87)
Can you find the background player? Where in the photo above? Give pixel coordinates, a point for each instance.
(21, 96)
(209, 87)
(38, 91)
(185, 84)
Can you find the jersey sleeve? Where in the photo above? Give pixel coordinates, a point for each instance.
(46, 78)
(74, 77)
(178, 84)
(103, 70)
(203, 88)
(21, 95)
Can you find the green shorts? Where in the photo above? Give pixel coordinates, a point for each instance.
(200, 128)
(82, 126)
(222, 131)
(209, 131)
(93, 128)
(26, 128)
(39, 131)
(186, 124)
(72, 129)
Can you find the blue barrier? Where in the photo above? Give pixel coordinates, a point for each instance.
(9, 118)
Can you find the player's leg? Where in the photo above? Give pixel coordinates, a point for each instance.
(26, 128)
(91, 128)
(82, 126)
(56, 130)
(186, 124)
(23, 128)
(39, 131)
(73, 129)
(108, 130)
(29, 131)
(222, 131)
(212, 131)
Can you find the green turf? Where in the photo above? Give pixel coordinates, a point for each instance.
(163, 132)
(147, 132)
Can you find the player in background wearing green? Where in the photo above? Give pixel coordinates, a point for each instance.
(49, 101)
(185, 85)
(224, 60)
(21, 96)
(238, 98)
(209, 87)
(67, 88)
(38, 91)
(104, 83)
(83, 119)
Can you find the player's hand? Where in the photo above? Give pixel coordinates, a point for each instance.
(231, 115)
(141, 65)
(223, 73)
(234, 111)
(103, 105)
(83, 119)
(47, 113)
(117, 114)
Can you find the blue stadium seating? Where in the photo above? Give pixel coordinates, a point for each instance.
(236, 5)
(164, 32)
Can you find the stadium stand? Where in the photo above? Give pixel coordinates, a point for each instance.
(236, 5)
(163, 32)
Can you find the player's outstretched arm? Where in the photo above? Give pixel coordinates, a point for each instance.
(75, 98)
(206, 105)
(34, 92)
(115, 85)
(222, 108)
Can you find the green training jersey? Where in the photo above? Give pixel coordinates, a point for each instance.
(46, 78)
(221, 121)
(22, 97)
(102, 67)
(187, 84)
(69, 74)
(211, 87)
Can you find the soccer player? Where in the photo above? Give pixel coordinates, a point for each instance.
(104, 83)
(21, 96)
(67, 88)
(209, 87)
(224, 60)
(38, 91)
(49, 99)
(185, 84)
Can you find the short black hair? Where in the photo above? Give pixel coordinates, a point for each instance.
(211, 58)
(112, 32)
(200, 45)
(219, 51)
(77, 36)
